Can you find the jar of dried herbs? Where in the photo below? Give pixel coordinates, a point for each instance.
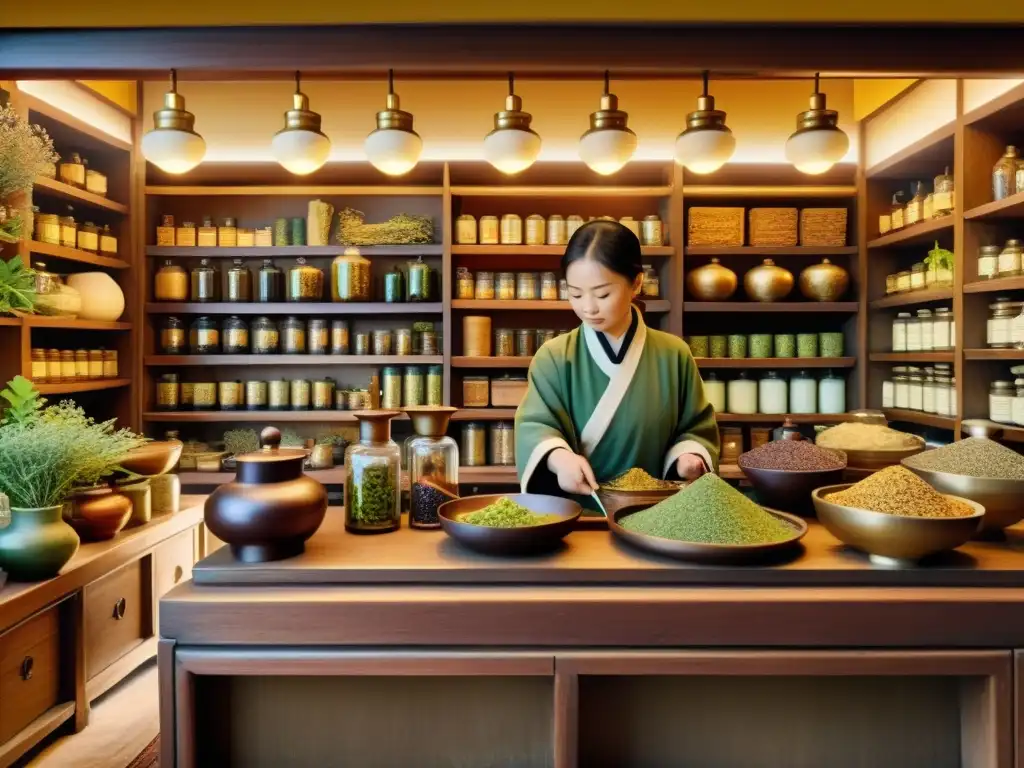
(484, 286)
(737, 345)
(269, 283)
(317, 336)
(506, 286)
(357, 399)
(351, 277)
(394, 286)
(323, 394)
(414, 386)
(236, 336)
(230, 395)
(265, 337)
(362, 343)
(204, 336)
(293, 336)
(464, 286)
(255, 395)
(527, 286)
(383, 342)
(279, 394)
(72, 171)
(504, 343)
(88, 238)
(167, 392)
(239, 282)
(418, 285)
(718, 346)
(204, 395)
(476, 392)
(170, 283)
(503, 448)
(465, 230)
(830, 344)
(556, 230)
(435, 384)
(544, 335)
(306, 282)
(473, 451)
(339, 337)
(300, 391)
(698, 345)
(205, 281)
(526, 342)
(172, 336)
(761, 345)
(807, 345)
(372, 470)
(785, 345)
(488, 230)
(391, 387)
(403, 341)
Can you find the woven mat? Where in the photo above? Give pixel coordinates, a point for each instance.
(149, 757)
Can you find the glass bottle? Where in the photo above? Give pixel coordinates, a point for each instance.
(942, 197)
(305, 282)
(832, 393)
(205, 280)
(350, 277)
(269, 283)
(506, 286)
(418, 285)
(803, 393)
(239, 282)
(527, 286)
(53, 369)
(1000, 401)
(372, 469)
(548, 286)
(502, 440)
(1004, 174)
(741, 394)
(266, 339)
(204, 336)
(170, 283)
(433, 462)
(108, 242)
(488, 230)
(39, 366)
(236, 336)
(772, 393)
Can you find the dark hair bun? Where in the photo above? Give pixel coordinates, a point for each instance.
(610, 244)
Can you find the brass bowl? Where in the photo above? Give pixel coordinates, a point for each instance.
(894, 540)
(1002, 499)
(154, 458)
(875, 460)
(510, 541)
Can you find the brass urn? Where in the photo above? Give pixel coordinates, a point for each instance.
(768, 282)
(712, 282)
(824, 282)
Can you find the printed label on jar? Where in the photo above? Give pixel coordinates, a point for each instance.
(88, 241)
(266, 340)
(942, 202)
(1009, 261)
(236, 338)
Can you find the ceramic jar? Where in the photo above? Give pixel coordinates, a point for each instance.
(102, 298)
(768, 282)
(98, 513)
(36, 544)
(824, 282)
(712, 282)
(271, 507)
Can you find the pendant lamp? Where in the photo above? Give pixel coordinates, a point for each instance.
(301, 147)
(394, 147)
(512, 146)
(609, 144)
(707, 143)
(818, 143)
(173, 145)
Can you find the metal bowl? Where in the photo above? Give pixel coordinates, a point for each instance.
(894, 539)
(154, 458)
(510, 541)
(875, 460)
(788, 489)
(697, 552)
(1003, 500)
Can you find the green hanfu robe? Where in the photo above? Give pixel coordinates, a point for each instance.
(644, 411)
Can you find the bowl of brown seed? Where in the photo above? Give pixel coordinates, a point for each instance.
(784, 472)
(896, 517)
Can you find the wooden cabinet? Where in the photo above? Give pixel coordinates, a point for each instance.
(29, 671)
(114, 617)
(172, 562)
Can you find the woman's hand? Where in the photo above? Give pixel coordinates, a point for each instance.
(573, 472)
(690, 466)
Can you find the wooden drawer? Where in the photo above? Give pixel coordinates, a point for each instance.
(29, 671)
(116, 617)
(172, 562)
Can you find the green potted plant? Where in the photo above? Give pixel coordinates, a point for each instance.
(26, 151)
(940, 266)
(45, 454)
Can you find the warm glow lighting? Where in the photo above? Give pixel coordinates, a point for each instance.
(173, 145)
(707, 143)
(512, 146)
(300, 147)
(394, 147)
(818, 143)
(609, 144)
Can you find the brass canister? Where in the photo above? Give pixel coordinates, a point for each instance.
(651, 231)
(293, 336)
(305, 282)
(383, 342)
(323, 394)
(204, 395)
(318, 336)
(473, 450)
(504, 343)
(391, 387)
(358, 399)
(339, 337)
(300, 394)
(188, 395)
(362, 343)
(278, 395)
(230, 395)
(255, 395)
(167, 392)
(403, 341)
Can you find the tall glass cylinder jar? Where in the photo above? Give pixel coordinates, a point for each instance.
(239, 282)
(418, 283)
(924, 322)
(942, 329)
(913, 335)
(433, 465)
(173, 337)
(899, 332)
(888, 393)
(831, 393)
(372, 474)
(915, 390)
(803, 393)
(205, 282)
(929, 391)
(305, 282)
(741, 394)
(235, 336)
(714, 391)
(772, 393)
(901, 387)
(269, 283)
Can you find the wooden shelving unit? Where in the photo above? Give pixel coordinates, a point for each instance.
(775, 362)
(290, 251)
(995, 285)
(912, 298)
(73, 254)
(994, 354)
(1011, 207)
(911, 357)
(297, 308)
(481, 305)
(264, 416)
(73, 387)
(778, 418)
(921, 233)
(43, 187)
(491, 362)
(920, 418)
(542, 250)
(777, 306)
(770, 251)
(294, 360)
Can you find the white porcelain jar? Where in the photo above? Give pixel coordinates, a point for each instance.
(901, 388)
(942, 329)
(772, 393)
(899, 332)
(803, 393)
(741, 394)
(1000, 401)
(924, 323)
(714, 391)
(832, 393)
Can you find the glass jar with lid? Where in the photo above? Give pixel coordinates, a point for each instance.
(340, 337)
(318, 336)
(942, 329)
(914, 335)
(527, 286)
(1004, 174)
(915, 207)
(236, 336)
(269, 283)
(170, 283)
(433, 462)
(204, 336)
(239, 282)
(383, 342)
(464, 288)
(803, 393)
(511, 229)
(999, 327)
(899, 332)
(503, 446)
(535, 229)
(942, 197)
(901, 387)
(88, 238)
(435, 384)
(414, 386)
(465, 230)
(651, 286)
(929, 391)
(918, 276)
(394, 286)
(942, 394)
(71, 171)
(888, 392)
(505, 287)
(772, 393)
(266, 339)
(1017, 409)
(205, 282)
(68, 230)
(1010, 259)
(714, 391)
(391, 387)
(484, 288)
(548, 286)
(1000, 401)
(372, 469)
(418, 283)
(306, 282)
(488, 230)
(741, 394)
(988, 261)
(897, 212)
(924, 321)
(832, 393)
(293, 336)
(473, 452)
(915, 389)
(172, 336)
(890, 284)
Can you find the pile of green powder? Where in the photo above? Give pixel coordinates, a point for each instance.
(636, 479)
(974, 457)
(505, 513)
(709, 511)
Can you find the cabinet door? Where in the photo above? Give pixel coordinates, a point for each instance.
(172, 562)
(115, 617)
(29, 671)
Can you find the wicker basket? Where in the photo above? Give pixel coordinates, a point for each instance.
(715, 226)
(823, 226)
(773, 226)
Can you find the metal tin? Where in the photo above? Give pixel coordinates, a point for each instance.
(572, 223)
(362, 343)
(464, 287)
(339, 337)
(527, 286)
(651, 231)
(484, 289)
(476, 392)
(526, 342)
(506, 286)
(318, 336)
(167, 392)
(428, 342)
(357, 399)
(255, 395)
(173, 339)
(383, 342)
(281, 232)
(511, 229)
(205, 282)
(82, 363)
(544, 335)
(418, 286)
(305, 282)
(230, 395)
(279, 394)
(188, 395)
(204, 336)
(340, 399)
(269, 283)
(67, 366)
(557, 232)
(504, 343)
(413, 386)
(548, 286)
(391, 387)
(239, 282)
(293, 336)
(266, 340)
(465, 230)
(403, 341)
(323, 394)
(236, 336)
(503, 447)
(435, 384)
(535, 229)
(299, 392)
(394, 286)
(204, 395)
(489, 230)
(473, 451)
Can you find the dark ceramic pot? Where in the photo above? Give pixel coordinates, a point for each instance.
(271, 508)
(36, 544)
(97, 514)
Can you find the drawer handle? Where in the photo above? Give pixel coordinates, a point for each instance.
(26, 667)
(178, 573)
(119, 607)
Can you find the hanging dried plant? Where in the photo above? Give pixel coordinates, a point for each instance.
(402, 229)
(25, 152)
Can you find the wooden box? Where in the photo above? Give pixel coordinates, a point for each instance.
(823, 226)
(773, 226)
(715, 226)
(508, 393)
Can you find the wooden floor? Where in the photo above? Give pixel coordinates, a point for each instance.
(121, 724)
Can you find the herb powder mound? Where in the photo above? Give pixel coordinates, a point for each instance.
(636, 479)
(792, 456)
(974, 457)
(709, 511)
(853, 436)
(505, 513)
(898, 491)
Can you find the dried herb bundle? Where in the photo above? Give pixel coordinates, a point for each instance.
(403, 229)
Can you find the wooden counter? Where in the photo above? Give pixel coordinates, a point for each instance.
(904, 667)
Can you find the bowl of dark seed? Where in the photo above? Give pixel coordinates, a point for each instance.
(896, 517)
(784, 472)
(635, 486)
(981, 470)
(514, 524)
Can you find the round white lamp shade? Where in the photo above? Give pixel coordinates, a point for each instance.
(392, 151)
(172, 150)
(704, 151)
(301, 152)
(511, 150)
(607, 150)
(815, 151)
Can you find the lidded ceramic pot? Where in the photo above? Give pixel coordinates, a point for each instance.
(711, 282)
(768, 282)
(824, 282)
(271, 507)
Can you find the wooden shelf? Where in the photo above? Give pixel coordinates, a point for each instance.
(777, 306)
(73, 324)
(1011, 207)
(282, 251)
(564, 191)
(778, 418)
(266, 417)
(10, 321)
(293, 308)
(1011, 434)
(994, 354)
(911, 357)
(66, 192)
(36, 104)
(652, 305)
(924, 157)
(71, 387)
(913, 297)
(73, 254)
(996, 285)
(484, 414)
(758, 250)
(491, 362)
(919, 417)
(922, 233)
(785, 191)
(541, 250)
(775, 362)
(202, 360)
(262, 190)
(490, 475)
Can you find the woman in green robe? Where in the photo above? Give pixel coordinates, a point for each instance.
(611, 394)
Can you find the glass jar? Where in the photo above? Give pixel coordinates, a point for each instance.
(942, 395)
(772, 393)
(548, 286)
(81, 364)
(306, 282)
(464, 287)
(988, 261)
(899, 332)
(473, 451)
(170, 283)
(227, 233)
(572, 223)
(418, 285)
(108, 243)
(88, 238)
(362, 343)
(357, 399)
(1010, 259)
(68, 230)
(172, 336)
(95, 362)
(293, 336)
(511, 229)
(204, 395)
(999, 327)
(897, 212)
(383, 342)
(942, 329)
(903, 281)
(504, 343)
(72, 171)
(269, 283)
(391, 387)
(503, 446)
(803, 393)
(527, 286)
(205, 282)
(890, 284)
(505, 288)
(488, 230)
(698, 345)
(318, 336)
(323, 394)
(68, 371)
(557, 233)
(784, 345)
(535, 229)
(807, 345)
(255, 395)
(651, 232)
(236, 336)
(901, 387)
(918, 280)
(204, 336)
(339, 337)
(888, 393)
(929, 391)
(651, 286)
(1004, 174)
(484, 286)
(53, 370)
(373, 491)
(563, 289)
(915, 207)
(465, 230)
(924, 322)
(718, 346)
(526, 342)
(741, 394)
(738, 345)
(942, 195)
(266, 340)
(831, 393)
(239, 282)
(915, 389)
(300, 392)
(47, 227)
(230, 395)
(714, 391)
(403, 341)
(1017, 409)
(435, 385)
(433, 461)
(414, 386)
(913, 335)
(279, 394)
(110, 364)
(830, 343)
(1000, 401)
(167, 392)
(1017, 330)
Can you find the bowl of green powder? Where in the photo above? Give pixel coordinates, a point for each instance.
(509, 524)
(709, 521)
